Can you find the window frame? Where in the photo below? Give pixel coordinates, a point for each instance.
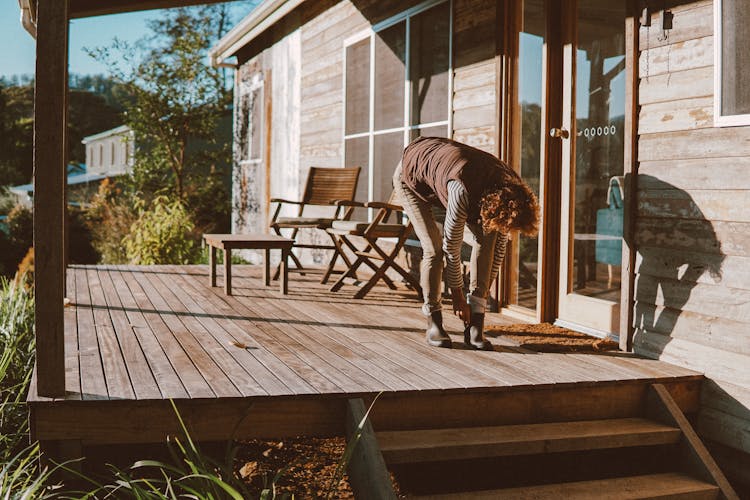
(406, 127)
(719, 119)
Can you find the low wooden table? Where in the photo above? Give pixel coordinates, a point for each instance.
(267, 242)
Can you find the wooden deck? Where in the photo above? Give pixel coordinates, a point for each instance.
(262, 363)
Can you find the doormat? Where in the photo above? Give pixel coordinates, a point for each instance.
(545, 337)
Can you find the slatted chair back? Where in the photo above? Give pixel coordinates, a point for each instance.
(326, 185)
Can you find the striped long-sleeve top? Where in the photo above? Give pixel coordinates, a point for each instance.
(455, 221)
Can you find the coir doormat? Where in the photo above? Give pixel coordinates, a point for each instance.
(544, 337)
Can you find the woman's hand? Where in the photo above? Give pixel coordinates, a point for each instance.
(460, 307)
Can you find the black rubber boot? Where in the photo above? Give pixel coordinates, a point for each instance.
(435, 334)
(474, 334)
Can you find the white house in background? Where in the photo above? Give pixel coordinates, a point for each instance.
(110, 152)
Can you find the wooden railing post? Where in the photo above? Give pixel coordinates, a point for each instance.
(50, 109)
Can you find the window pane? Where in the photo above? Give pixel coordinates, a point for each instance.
(388, 151)
(439, 131)
(356, 154)
(735, 72)
(358, 87)
(430, 33)
(256, 123)
(390, 75)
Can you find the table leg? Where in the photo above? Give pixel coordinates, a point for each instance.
(228, 271)
(284, 268)
(212, 264)
(267, 267)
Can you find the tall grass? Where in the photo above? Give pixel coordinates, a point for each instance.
(16, 364)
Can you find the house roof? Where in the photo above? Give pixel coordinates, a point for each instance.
(121, 130)
(265, 15)
(72, 180)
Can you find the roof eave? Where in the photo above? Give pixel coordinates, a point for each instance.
(259, 20)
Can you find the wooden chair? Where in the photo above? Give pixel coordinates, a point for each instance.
(372, 232)
(325, 187)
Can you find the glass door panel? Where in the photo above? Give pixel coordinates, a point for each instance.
(524, 251)
(594, 109)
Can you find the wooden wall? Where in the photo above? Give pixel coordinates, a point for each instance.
(693, 224)
(475, 112)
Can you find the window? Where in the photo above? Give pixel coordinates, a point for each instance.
(731, 62)
(397, 82)
(101, 155)
(250, 131)
(112, 153)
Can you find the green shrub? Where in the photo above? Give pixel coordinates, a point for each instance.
(109, 218)
(19, 240)
(162, 234)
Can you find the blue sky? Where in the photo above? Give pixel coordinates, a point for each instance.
(18, 56)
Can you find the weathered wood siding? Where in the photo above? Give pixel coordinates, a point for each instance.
(475, 72)
(693, 224)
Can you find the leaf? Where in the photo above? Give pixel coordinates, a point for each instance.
(250, 469)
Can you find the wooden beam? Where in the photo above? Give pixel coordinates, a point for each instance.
(50, 110)
(368, 474)
(552, 116)
(697, 460)
(90, 8)
(627, 277)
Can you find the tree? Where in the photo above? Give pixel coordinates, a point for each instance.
(177, 101)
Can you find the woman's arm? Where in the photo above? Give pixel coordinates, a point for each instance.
(453, 237)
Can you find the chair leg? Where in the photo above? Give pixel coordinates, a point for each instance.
(337, 251)
(380, 272)
(351, 272)
(388, 262)
(365, 260)
(291, 254)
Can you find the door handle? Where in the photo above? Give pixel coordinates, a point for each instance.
(559, 132)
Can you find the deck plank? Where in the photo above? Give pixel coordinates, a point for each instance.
(93, 381)
(276, 358)
(297, 357)
(190, 377)
(115, 369)
(372, 329)
(169, 384)
(264, 377)
(72, 366)
(217, 380)
(141, 376)
(332, 337)
(335, 367)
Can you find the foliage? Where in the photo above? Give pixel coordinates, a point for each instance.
(177, 100)
(88, 114)
(80, 247)
(19, 239)
(16, 361)
(161, 234)
(109, 218)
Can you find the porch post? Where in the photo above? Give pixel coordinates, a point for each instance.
(50, 109)
(627, 278)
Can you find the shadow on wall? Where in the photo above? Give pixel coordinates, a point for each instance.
(677, 249)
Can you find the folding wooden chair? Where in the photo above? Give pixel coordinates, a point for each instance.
(372, 232)
(325, 187)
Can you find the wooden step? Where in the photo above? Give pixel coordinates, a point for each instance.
(431, 445)
(668, 485)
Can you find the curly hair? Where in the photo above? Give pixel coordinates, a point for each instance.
(511, 207)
